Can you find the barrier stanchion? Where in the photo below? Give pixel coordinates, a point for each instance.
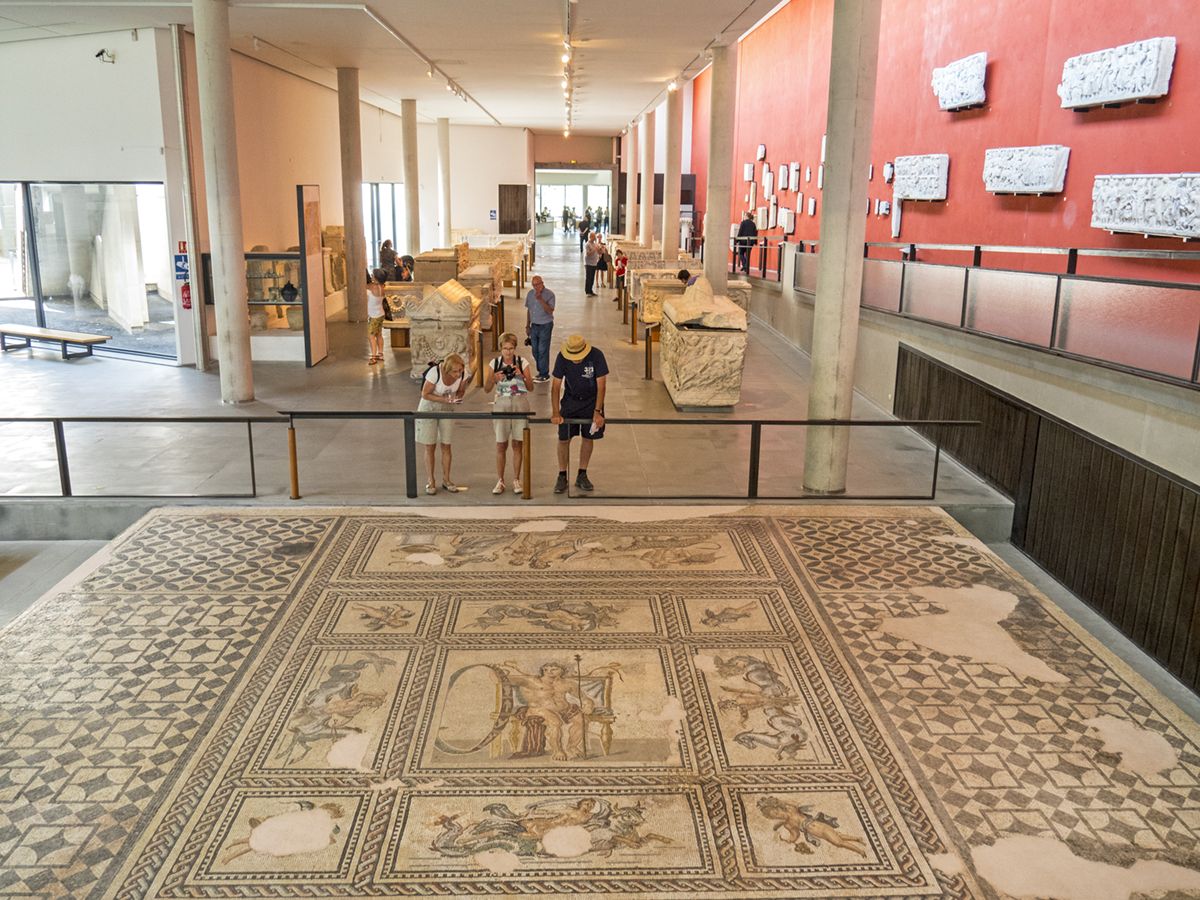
(479, 358)
(526, 464)
(649, 357)
(633, 327)
(410, 457)
(625, 308)
(292, 462)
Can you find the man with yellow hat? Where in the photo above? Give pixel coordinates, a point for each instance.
(577, 392)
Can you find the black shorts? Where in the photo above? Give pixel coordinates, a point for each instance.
(568, 430)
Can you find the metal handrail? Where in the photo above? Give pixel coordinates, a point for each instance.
(64, 463)
(410, 417)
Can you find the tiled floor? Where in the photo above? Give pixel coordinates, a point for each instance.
(363, 461)
(804, 702)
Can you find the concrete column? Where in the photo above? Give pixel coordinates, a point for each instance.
(630, 225)
(646, 229)
(443, 132)
(674, 166)
(350, 134)
(214, 75)
(843, 229)
(719, 194)
(412, 183)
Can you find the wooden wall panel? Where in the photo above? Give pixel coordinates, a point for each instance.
(1121, 534)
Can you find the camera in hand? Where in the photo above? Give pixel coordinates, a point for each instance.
(509, 372)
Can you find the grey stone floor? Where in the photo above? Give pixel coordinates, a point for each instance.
(362, 461)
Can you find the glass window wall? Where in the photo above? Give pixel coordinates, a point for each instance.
(383, 217)
(17, 303)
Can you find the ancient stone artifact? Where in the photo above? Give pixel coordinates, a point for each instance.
(444, 321)
(1026, 170)
(655, 291)
(703, 348)
(739, 291)
(1137, 71)
(485, 282)
(960, 84)
(333, 239)
(921, 177)
(1162, 205)
(436, 266)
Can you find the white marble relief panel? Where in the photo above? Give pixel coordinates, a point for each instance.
(921, 177)
(1026, 170)
(1137, 71)
(748, 172)
(783, 177)
(961, 83)
(1164, 205)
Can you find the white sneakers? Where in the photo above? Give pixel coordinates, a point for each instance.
(499, 488)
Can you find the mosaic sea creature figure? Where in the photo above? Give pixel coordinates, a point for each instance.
(554, 615)
(325, 713)
(522, 832)
(376, 618)
(804, 829)
(726, 615)
(786, 732)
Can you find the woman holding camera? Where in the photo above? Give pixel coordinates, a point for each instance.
(513, 380)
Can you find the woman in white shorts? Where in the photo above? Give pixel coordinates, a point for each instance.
(513, 380)
(445, 384)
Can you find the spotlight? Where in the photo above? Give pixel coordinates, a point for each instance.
(105, 56)
(672, 86)
(449, 87)
(430, 72)
(566, 132)
(564, 84)
(566, 57)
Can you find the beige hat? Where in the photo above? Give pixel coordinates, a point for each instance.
(576, 348)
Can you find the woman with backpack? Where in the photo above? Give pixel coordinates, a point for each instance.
(444, 384)
(513, 380)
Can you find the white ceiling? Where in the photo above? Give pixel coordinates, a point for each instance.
(506, 54)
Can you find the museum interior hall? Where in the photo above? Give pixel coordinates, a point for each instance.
(556, 448)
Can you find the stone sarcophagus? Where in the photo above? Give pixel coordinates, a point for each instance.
(738, 291)
(639, 277)
(703, 348)
(436, 266)
(399, 294)
(445, 320)
(656, 291)
(485, 282)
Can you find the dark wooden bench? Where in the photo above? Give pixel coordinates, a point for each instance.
(32, 333)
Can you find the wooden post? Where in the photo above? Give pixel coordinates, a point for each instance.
(526, 465)
(649, 358)
(479, 358)
(292, 461)
(633, 327)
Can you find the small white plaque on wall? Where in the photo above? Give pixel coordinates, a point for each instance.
(760, 217)
(752, 200)
(1160, 205)
(960, 84)
(748, 172)
(795, 176)
(812, 206)
(768, 182)
(921, 177)
(1137, 71)
(772, 214)
(889, 172)
(1026, 170)
(807, 173)
(762, 152)
(789, 220)
(821, 177)
(783, 177)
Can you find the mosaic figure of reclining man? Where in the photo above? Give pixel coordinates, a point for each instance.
(803, 827)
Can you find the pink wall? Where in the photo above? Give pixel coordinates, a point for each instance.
(782, 94)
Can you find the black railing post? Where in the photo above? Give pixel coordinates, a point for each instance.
(962, 319)
(937, 458)
(410, 457)
(60, 450)
(1072, 261)
(250, 445)
(1058, 279)
(755, 456)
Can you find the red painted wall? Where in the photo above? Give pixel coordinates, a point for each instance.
(701, 91)
(782, 94)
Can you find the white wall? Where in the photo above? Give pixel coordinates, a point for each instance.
(68, 117)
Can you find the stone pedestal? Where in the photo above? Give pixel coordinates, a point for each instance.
(485, 282)
(444, 321)
(436, 266)
(703, 349)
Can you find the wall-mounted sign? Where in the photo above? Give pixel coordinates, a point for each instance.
(182, 272)
(492, 214)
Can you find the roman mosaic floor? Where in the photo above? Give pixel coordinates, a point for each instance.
(806, 702)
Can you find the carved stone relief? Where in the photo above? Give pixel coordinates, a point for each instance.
(1026, 170)
(960, 84)
(1163, 205)
(1137, 71)
(921, 177)
(443, 321)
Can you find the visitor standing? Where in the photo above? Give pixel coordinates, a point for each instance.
(585, 228)
(376, 314)
(387, 256)
(445, 383)
(580, 380)
(591, 259)
(539, 325)
(747, 233)
(620, 263)
(512, 379)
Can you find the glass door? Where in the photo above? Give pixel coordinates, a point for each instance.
(104, 265)
(17, 303)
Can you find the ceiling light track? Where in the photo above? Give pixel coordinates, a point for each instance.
(379, 20)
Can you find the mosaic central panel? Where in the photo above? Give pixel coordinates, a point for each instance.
(789, 703)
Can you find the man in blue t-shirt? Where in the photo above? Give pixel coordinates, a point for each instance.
(539, 324)
(580, 380)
